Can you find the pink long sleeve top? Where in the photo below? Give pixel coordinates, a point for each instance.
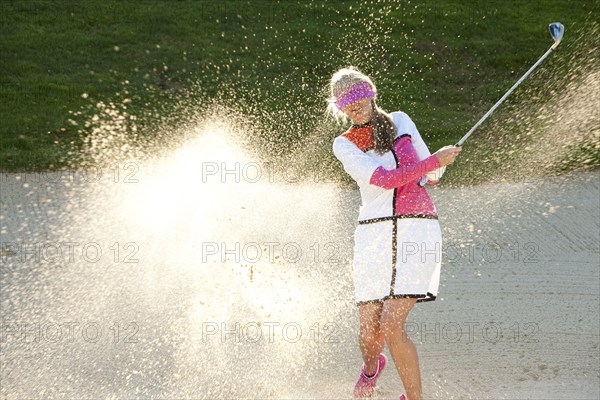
(388, 182)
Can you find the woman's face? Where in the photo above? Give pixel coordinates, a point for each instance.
(360, 112)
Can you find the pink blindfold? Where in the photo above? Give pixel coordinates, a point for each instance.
(358, 91)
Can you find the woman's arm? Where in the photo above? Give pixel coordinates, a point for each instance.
(366, 169)
(423, 152)
(357, 164)
(404, 174)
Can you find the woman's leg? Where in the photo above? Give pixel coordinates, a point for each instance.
(402, 349)
(370, 338)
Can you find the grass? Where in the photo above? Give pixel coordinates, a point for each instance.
(443, 62)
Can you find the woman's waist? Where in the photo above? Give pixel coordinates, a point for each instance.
(397, 216)
(397, 204)
(388, 212)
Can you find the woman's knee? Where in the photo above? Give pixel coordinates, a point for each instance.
(370, 331)
(393, 318)
(370, 316)
(392, 329)
(395, 311)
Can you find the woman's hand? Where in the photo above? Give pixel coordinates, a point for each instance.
(447, 154)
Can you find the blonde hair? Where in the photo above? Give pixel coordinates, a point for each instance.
(384, 130)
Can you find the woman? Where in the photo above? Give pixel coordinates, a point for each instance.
(397, 250)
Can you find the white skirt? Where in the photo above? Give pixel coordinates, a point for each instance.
(397, 257)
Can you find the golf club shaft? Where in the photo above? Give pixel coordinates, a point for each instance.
(491, 110)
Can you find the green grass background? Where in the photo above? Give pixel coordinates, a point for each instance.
(443, 62)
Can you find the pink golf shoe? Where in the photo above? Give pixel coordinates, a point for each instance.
(365, 387)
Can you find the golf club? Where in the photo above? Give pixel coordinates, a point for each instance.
(556, 30)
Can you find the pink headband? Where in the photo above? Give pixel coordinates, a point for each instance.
(358, 91)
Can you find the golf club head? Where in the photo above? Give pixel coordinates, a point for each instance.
(556, 30)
